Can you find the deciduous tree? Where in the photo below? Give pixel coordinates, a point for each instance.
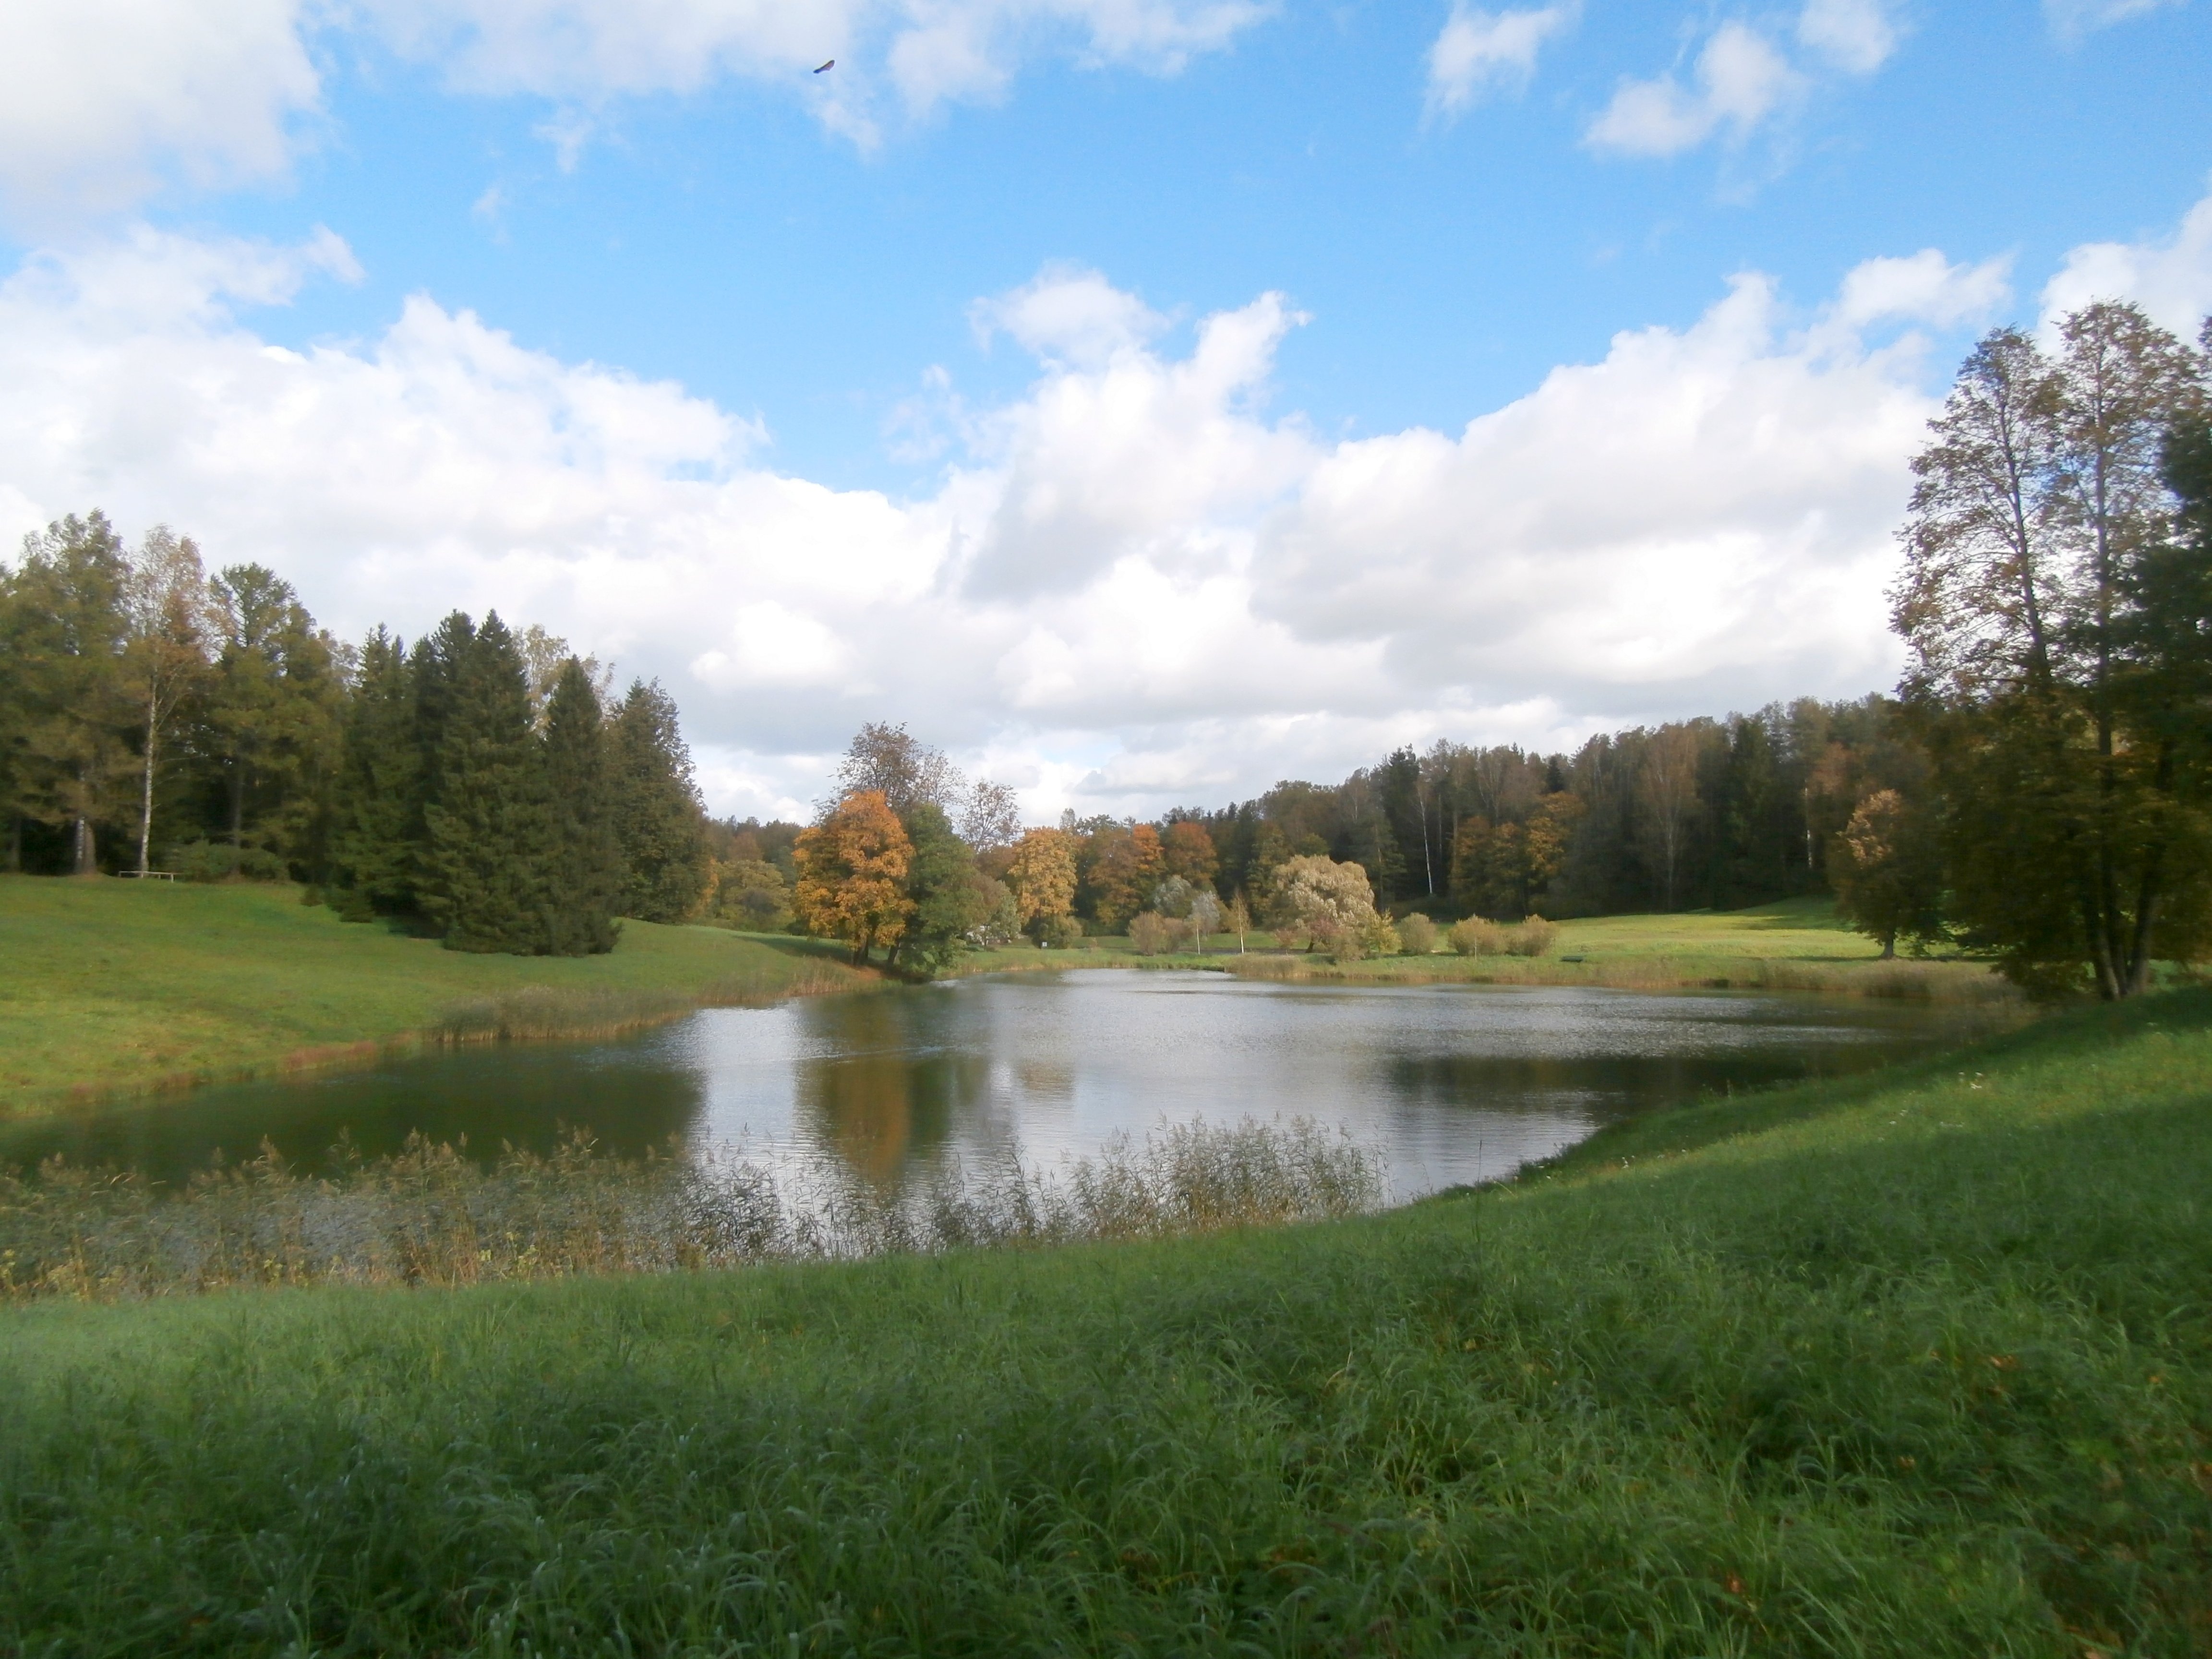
(852, 874)
(1041, 877)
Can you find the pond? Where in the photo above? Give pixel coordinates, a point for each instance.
(1450, 1083)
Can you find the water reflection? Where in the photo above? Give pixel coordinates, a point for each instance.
(1453, 1084)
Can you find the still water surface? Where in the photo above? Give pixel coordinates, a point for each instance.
(1451, 1083)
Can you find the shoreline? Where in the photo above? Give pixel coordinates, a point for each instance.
(530, 1014)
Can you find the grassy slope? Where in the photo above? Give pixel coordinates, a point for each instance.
(114, 985)
(1913, 1364)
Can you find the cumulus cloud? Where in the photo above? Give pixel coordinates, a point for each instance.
(107, 100)
(1738, 80)
(2170, 277)
(1924, 288)
(1133, 583)
(1482, 52)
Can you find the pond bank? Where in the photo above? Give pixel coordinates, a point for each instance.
(111, 989)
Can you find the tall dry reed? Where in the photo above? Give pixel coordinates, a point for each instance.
(432, 1215)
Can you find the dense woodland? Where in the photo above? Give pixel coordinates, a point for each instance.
(2041, 787)
(476, 786)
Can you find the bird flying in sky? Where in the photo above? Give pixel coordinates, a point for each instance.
(831, 64)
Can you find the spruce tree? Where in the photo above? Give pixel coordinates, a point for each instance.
(584, 872)
(491, 824)
(376, 840)
(657, 816)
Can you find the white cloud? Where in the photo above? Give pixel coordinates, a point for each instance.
(1856, 36)
(2170, 277)
(1738, 80)
(2072, 19)
(108, 98)
(1133, 583)
(1068, 314)
(1480, 51)
(1924, 288)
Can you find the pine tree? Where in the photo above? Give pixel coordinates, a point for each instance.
(657, 816)
(490, 826)
(377, 842)
(585, 873)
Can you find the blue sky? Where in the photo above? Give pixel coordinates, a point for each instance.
(881, 393)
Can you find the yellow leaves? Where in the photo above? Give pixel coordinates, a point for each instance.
(851, 873)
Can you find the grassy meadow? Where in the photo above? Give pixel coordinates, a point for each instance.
(1795, 944)
(1914, 1364)
(110, 987)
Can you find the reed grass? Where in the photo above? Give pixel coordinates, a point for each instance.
(432, 1215)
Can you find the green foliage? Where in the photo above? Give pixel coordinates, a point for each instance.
(490, 830)
(584, 862)
(218, 861)
(377, 800)
(1417, 935)
(2057, 628)
(1908, 1366)
(949, 897)
(658, 819)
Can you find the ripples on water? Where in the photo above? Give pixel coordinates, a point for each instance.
(1451, 1083)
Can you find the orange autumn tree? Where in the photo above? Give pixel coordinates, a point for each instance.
(1126, 864)
(852, 874)
(1188, 851)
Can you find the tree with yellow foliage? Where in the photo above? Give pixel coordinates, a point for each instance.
(852, 874)
(1041, 877)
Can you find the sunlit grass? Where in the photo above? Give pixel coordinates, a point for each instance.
(111, 986)
(1912, 1364)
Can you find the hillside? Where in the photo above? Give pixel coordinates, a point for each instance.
(111, 986)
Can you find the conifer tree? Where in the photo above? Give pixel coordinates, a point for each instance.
(490, 825)
(584, 876)
(376, 844)
(657, 816)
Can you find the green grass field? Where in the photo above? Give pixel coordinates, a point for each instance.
(1796, 944)
(1918, 1363)
(111, 986)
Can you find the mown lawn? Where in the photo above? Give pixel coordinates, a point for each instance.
(110, 985)
(1915, 1364)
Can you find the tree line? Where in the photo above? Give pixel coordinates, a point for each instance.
(2039, 788)
(477, 785)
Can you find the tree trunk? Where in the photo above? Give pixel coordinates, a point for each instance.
(87, 863)
(146, 796)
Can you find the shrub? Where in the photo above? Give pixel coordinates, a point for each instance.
(1477, 938)
(1152, 934)
(1417, 935)
(1533, 938)
(218, 861)
(1059, 933)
